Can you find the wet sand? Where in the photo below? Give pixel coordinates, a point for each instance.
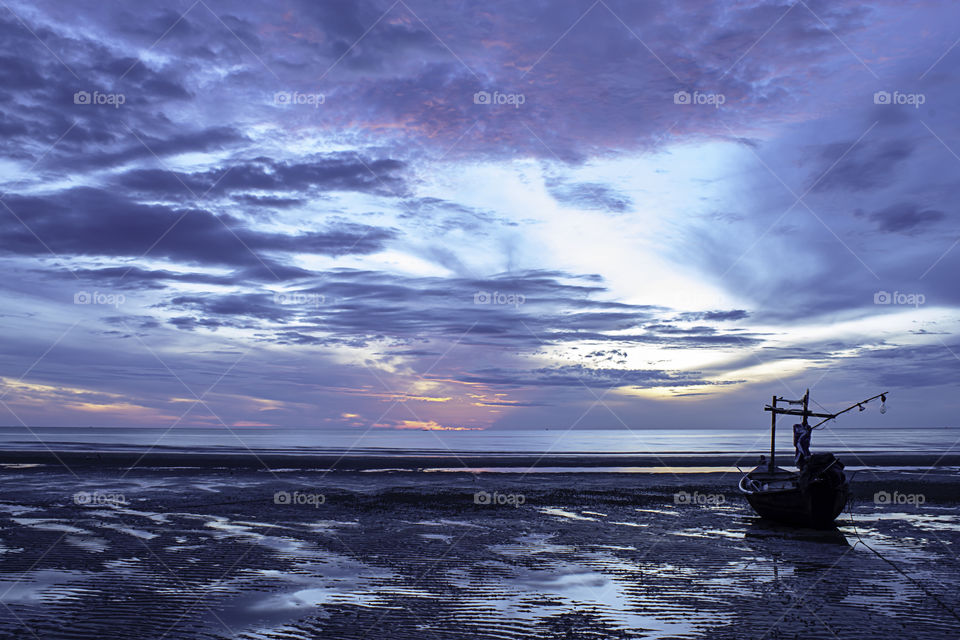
(238, 553)
(234, 458)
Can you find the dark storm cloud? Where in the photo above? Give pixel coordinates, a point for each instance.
(144, 322)
(92, 222)
(732, 314)
(268, 201)
(598, 88)
(335, 172)
(129, 326)
(607, 84)
(911, 366)
(263, 306)
(533, 310)
(590, 195)
(446, 216)
(905, 217)
(344, 23)
(376, 304)
(579, 376)
(677, 340)
(136, 278)
(132, 277)
(44, 70)
(133, 146)
(866, 166)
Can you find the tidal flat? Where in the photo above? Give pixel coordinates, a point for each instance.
(238, 553)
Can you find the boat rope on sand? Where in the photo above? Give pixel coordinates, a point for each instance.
(898, 569)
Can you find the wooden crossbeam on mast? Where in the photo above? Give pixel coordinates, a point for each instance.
(798, 412)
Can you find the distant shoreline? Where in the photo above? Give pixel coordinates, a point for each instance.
(415, 461)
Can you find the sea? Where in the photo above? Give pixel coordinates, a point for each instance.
(500, 442)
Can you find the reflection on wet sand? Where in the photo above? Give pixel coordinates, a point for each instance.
(413, 556)
(762, 529)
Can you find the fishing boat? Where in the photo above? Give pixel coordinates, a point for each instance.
(814, 495)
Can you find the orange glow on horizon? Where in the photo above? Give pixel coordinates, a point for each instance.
(431, 425)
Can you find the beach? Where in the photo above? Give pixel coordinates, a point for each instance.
(187, 551)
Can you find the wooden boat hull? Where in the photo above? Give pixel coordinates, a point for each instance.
(781, 497)
(817, 507)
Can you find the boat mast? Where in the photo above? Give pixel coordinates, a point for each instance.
(773, 435)
(778, 411)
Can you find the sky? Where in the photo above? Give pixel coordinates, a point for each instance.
(498, 215)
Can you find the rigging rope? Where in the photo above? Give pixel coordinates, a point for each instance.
(898, 569)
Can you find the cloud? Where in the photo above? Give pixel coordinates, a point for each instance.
(335, 172)
(381, 213)
(361, 307)
(864, 166)
(92, 222)
(906, 218)
(580, 375)
(733, 314)
(590, 195)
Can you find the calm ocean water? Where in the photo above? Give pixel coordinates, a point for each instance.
(556, 441)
